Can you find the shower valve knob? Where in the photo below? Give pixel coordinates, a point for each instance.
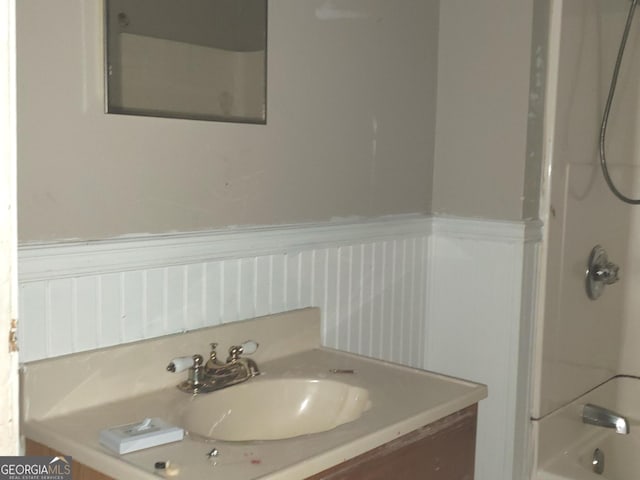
(600, 272)
(606, 273)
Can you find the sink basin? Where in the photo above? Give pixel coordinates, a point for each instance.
(273, 409)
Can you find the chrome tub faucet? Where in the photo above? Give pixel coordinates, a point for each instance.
(603, 417)
(214, 374)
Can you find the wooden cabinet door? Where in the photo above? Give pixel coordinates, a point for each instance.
(443, 450)
(79, 471)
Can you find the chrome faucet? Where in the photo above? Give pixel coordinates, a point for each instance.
(602, 417)
(214, 374)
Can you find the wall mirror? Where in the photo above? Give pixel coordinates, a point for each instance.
(196, 59)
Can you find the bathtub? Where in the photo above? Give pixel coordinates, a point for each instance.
(567, 445)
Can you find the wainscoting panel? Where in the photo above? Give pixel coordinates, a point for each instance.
(443, 294)
(475, 320)
(368, 279)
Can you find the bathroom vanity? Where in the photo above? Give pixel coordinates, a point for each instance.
(336, 415)
(443, 449)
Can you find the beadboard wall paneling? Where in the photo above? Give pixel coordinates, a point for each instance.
(85, 295)
(478, 271)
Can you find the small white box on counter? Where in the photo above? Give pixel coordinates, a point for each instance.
(137, 436)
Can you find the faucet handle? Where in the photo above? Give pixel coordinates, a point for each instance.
(180, 364)
(247, 347)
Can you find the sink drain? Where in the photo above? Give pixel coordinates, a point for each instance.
(598, 461)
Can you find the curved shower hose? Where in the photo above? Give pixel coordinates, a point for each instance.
(607, 110)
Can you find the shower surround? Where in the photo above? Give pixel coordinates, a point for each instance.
(582, 343)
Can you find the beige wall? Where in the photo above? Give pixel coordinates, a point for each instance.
(482, 104)
(351, 121)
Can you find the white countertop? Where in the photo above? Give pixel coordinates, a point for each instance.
(402, 400)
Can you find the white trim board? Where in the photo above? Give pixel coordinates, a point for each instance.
(489, 230)
(54, 260)
(75, 258)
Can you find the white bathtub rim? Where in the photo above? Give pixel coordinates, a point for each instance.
(570, 438)
(566, 465)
